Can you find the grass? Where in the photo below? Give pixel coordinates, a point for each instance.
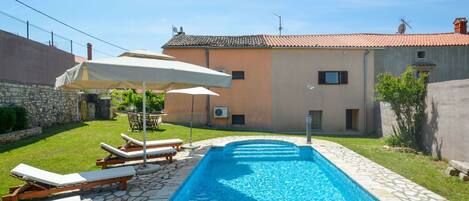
(75, 147)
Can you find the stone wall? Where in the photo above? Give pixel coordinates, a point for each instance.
(446, 123)
(18, 135)
(45, 105)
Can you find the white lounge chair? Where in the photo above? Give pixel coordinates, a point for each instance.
(72, 198)
(133, 144)
(41, 183)
(117, 156)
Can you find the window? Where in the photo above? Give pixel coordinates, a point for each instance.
(351, 119)
(316, 117)
(333, 77)
(237, 75)
(421, 54)
(237, 119)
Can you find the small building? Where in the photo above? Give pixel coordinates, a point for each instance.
(279, 80)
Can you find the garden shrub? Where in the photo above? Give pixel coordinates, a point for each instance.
(21, 118)
(7, 119)
(393, 141)
(406, 95)
(130, 100)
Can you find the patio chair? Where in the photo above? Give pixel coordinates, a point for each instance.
(152, 122)
(117, 156)
(132, 144)
(41, 183)
(134, 122)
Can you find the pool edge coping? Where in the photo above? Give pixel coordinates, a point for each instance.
(323, 147)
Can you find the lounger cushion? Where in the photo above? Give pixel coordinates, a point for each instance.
(100, 175)
(73, 198)
(153, 142)
(136, 154)
(34, 174)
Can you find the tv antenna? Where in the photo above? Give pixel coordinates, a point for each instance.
(402, 27)
(174, 30)
(279, 24)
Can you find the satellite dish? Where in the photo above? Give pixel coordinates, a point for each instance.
(175, 29)
(402, 27)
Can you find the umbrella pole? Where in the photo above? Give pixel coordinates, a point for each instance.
(192, 117)
(144, 127)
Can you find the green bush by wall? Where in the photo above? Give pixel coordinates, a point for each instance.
(21, 118)
(7, 119)
(13, 118)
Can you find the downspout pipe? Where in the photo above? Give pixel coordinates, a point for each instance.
(365, 87)
(207, 64)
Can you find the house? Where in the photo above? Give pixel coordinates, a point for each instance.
(279, 80)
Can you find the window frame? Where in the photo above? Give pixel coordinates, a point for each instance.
(320, 114)
(237, 124)
(417, 54)
(238, 77)
(342, 77)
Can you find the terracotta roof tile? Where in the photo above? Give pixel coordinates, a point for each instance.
(321, 41)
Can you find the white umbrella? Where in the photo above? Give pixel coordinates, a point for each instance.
(140, 69)
(193, 91)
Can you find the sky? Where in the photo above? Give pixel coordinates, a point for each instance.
(146, 24)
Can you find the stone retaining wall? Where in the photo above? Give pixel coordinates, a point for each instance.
(18, 135)
(45, 105)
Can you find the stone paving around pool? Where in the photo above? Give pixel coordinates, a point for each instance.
(379, 181)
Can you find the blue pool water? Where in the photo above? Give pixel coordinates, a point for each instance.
(267, 170)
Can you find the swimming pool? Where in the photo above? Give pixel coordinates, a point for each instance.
(267, 170)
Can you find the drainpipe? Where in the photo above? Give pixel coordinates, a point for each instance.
(207, 64)
(365, 86)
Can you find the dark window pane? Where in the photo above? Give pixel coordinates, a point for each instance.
(332, 77)
(237, 75)
(421, 54)
(237, 119)
(316, 117)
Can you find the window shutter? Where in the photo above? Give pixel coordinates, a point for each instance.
(344, 77)
(321, 77)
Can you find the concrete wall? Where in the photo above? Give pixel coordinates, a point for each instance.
(294, 69)
(446, 120)
(452, 62)
(251, 96)
(27, 61)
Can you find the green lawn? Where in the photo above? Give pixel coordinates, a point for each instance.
(75, 147)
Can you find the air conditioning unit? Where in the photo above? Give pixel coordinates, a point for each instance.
(220, 112)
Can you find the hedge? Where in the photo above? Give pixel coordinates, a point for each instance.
(13, 118)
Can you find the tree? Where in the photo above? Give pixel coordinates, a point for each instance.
(406, 95)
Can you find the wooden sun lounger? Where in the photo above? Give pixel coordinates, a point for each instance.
(41, 183)
(132, 144)
(117, 156)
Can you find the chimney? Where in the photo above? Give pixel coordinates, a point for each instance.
(89, 49)
(460, 25)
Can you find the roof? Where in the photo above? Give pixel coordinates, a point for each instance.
(363, 40)
(146, 54)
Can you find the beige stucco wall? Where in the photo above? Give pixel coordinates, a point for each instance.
(294, 69)
(178, 106)
(251, 96)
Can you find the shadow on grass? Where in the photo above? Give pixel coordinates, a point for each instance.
(47, 132)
